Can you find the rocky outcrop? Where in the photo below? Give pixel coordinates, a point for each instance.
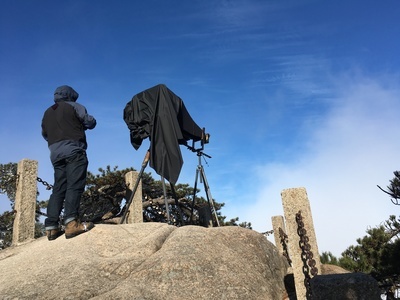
(145, 261)
(332, 269)
(347, 286)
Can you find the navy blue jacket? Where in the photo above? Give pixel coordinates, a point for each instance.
(64, 124)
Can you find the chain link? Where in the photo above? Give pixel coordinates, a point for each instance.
(267, 233)
(45, 183)
(284, 241)
(306, 255)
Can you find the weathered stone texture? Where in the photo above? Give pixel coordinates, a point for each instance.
(295, 200)
(349, 286)
(146, 261)
(278, 223)
(135, 209)
(25, 201)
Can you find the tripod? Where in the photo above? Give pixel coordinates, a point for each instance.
(140, 175)
(201, 173)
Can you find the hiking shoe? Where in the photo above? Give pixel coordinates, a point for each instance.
(76, 227)
(53, 234)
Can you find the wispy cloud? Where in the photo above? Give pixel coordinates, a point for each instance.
(347, 155)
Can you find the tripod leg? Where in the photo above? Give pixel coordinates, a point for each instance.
(194, 195)
(208, 193)
(178, 208)
(129, 202)
(166, 200)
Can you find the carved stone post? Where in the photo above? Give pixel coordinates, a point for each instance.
(295, 200)
(135, 214)
(278, 223)
(25, 201)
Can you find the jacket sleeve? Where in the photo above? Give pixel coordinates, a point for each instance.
(44, 132)
(88, 121)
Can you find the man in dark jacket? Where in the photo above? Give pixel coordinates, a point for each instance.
(63, 127)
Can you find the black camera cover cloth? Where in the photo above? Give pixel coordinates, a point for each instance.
(160, 115)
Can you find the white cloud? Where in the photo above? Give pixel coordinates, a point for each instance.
(354, 149)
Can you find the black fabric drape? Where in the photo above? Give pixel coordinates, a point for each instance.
(161, 115)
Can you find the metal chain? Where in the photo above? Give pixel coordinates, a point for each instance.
(284, 241)
(306, 255)
(45, 183)
(267, 233)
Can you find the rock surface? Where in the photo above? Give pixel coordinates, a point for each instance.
(145, 261)
(332, 269)
(347, 286)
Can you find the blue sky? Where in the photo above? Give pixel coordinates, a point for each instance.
(294, 94)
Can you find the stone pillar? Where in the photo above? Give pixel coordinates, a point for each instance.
(281, 239)
(135, 214)
(25, 201)
(278, 223)
(295, 200)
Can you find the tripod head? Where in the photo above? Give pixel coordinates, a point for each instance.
(205, 139)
